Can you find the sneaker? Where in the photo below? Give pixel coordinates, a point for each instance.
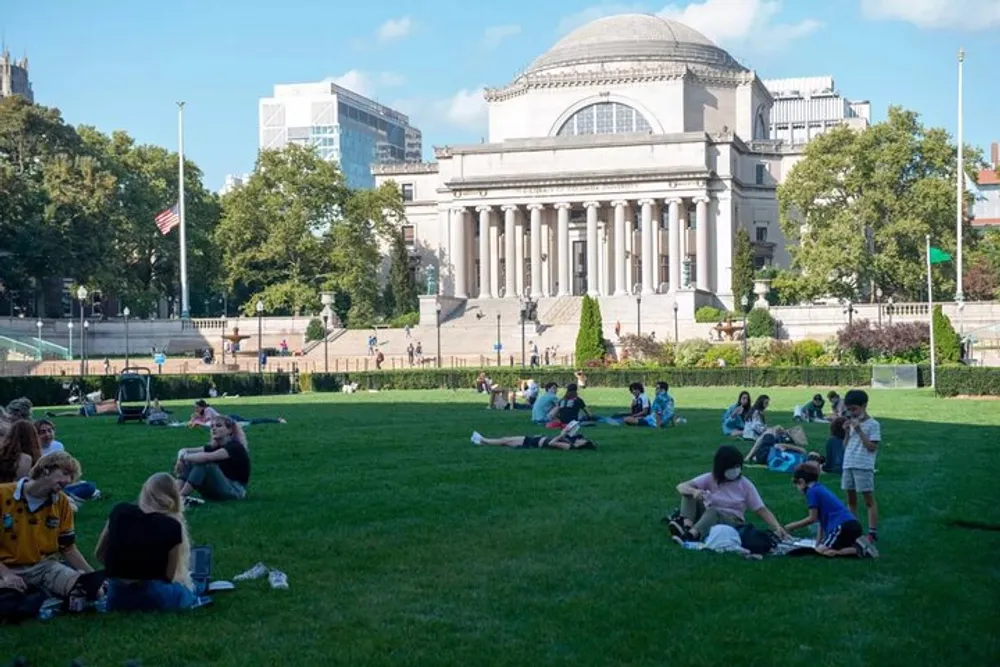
(258, 571)
(678, 540)
(676, 528)
(476, 438)
(866, 549)
(681, 420)
(278, 579)
(202, 601)
(191, 501)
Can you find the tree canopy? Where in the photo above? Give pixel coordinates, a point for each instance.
(855, 210)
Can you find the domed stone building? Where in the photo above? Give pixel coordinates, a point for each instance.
(619, 162)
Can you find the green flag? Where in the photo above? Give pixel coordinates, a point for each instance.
(939, 256)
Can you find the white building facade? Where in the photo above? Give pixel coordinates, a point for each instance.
(620, 162)
(806, 107)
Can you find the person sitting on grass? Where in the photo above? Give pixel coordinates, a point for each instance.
(18, 409)
(203, 414)
(569, 408)
(663, 412)
(219, 470)
(720, 496)
(504, 399)
(544, 404)
(38, 539)
(529, 391)
(79, 491)
(775, 437)
(837, 408)
(840, 533)
(735, 417)
(811, 411)
(568, 438)
(835, 446)
(19, 451)
(756, 422)
(145, 550)
(639, 409)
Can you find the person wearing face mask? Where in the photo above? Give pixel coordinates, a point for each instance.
(720, 496)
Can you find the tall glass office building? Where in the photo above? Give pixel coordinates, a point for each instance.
(343, 126)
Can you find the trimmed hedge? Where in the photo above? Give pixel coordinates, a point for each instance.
(966, 381)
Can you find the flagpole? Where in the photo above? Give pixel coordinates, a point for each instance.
(959, 186)
(930, 311)
(185, 309)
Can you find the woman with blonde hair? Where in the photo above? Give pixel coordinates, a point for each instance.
(221, 469)
(19, 450)
(145, 550)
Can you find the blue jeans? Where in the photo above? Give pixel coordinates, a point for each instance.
(149, 596)
(732, 424)
(254, 422)
(212, 483)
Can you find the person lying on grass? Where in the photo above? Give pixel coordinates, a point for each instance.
(775, 437)
(568, 409)
(145, 549)
(89, 408)
(219, 470)
(735, 417)
(38, 539)
(19, 451)
(811, 411)
(840, 533)
(568, 438)
(204, 414)
(720, 496)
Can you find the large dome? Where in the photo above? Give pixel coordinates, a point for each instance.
(631, 38)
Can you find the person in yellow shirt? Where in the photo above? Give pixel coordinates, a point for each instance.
(38, 537)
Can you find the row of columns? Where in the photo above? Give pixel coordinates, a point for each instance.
(489, 261)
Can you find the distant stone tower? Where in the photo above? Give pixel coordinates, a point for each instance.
(14, 77)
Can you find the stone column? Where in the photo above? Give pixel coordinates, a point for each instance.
(510, 266)
(647, 246)
(620, 284)
(536, 250)
(519, 285)
(702, 253)
(495, 257)
(458, 251)
(593, 247)
(565, 287)
(674, 242)
(484, 252)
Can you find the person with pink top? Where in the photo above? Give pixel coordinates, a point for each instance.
(720, 496)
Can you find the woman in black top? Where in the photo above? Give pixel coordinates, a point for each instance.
(219, 470)
(145, 551)
(568, 438)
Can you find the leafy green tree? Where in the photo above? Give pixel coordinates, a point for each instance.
(402, 288)
(947, 344)
(855, 211)
(590, 337)
(743, 269)
(761, 324)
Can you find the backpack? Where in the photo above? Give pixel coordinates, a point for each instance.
(16, 606)
(779, 460)
(755, 540)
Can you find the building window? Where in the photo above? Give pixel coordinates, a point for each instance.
(408, 235)
(760, 174)
(761, 233)
(407, 191)
(604, 118)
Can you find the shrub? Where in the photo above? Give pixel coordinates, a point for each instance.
(899, 343)
(690, 352)
(642, 348)
(709, 315)
(761, 324)
(947, 344)
(806, 352)
(965, 381)
(405, 320)
(590, 337)
(730, 353)
(314, 331)
(759, 348)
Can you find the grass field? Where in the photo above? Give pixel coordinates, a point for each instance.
(406, 545)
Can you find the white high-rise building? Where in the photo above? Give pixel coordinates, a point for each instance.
(232, 182)
(806, 107)
(345, 127)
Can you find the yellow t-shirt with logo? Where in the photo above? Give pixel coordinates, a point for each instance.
(26, 537)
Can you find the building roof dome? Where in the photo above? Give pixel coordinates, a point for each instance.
(631, 38)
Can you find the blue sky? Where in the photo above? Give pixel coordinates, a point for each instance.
(121, 64)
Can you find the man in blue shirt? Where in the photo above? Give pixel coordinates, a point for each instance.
(544, 403)
(840, 533)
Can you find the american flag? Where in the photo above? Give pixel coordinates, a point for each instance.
(167, 219)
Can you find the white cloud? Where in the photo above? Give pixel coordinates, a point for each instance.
(395, 29)
(749, 24)
(466, 109)
(366, 83)
(960, 14)
(574, 21)
(494, 35)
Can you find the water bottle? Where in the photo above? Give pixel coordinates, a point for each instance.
(46, 614)
(101, 604)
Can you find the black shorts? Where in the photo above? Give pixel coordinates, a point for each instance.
(533, 441)
(845, 535)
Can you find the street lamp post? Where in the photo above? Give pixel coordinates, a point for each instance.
(437, 310)
(41, 355)
(70, 327)
(86, 360)
(81, 294)
(890, 306)
(849, 311)
(126, 313)
(638, 315)
(524, 317)
(326, 343)
(498, 340)
(676, 326)
(260, 336)
(225, 322)
(878, 302)
(745, 302)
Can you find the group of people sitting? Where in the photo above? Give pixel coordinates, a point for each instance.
(144, 546)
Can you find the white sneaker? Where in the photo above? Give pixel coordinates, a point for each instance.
(477, 439)
(278, 579)
(681, 420)
(572, 428)
(258, 571)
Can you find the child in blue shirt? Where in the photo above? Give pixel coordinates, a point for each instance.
(840, 533)
(662, 412)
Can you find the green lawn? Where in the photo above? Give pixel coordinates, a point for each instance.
(406, 545)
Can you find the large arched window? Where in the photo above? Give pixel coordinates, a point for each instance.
(604, 118)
